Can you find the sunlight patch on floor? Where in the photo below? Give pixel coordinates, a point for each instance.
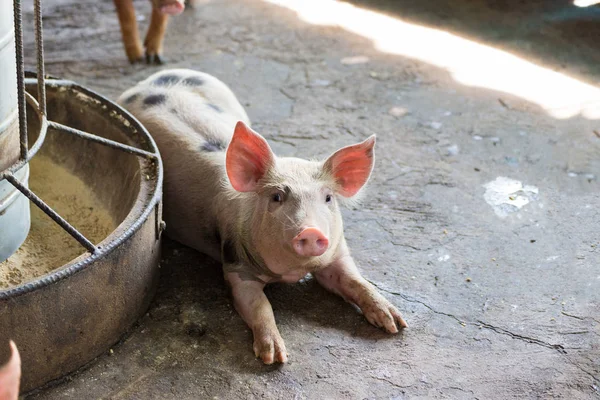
(469, 62)
(585, 3)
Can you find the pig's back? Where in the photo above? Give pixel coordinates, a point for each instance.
(191, 115)
(190, 103)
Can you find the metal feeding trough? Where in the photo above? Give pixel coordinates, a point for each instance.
(91, 159)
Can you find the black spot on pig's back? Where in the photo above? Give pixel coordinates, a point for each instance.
(212, 145)
(155, 100)
(167, 79)
(131, 98)
(215, 107)
(193, 81)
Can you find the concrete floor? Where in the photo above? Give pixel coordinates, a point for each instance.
(498, 307)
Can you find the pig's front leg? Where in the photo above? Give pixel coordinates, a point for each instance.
(342, 277)
(254, 307)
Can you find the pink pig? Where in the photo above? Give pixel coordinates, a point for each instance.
(10, 375)
(266, 218)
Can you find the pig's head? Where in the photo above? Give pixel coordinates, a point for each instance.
(10, 375)
(296, 210)
(169, 7)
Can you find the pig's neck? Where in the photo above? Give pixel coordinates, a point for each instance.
(240, 229)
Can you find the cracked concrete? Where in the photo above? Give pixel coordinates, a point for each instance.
(497, 308)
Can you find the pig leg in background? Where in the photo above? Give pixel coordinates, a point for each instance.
(10, 374)
(252, 304)
(342, 278)
(155, 36)
(129, 30)
(193, 3)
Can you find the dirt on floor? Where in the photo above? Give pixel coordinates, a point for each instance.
(480, 222)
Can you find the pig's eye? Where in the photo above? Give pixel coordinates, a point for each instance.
(276, 198)
(328, 198)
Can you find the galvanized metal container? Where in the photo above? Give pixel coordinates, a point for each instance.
(14, 207)
(14, 215)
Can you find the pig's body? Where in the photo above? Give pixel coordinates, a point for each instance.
(265, 218)
(191, 116)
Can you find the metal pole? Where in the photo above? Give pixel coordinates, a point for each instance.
(39, 43)
(100, 140)
(52, 214)
(20, 79)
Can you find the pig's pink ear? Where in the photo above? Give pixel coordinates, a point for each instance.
(10, 375)
(351, 166)
(248, 158)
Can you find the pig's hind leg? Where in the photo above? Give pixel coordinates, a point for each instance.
(129, 30)
(252, 304)
(342, 277)
(155, 36)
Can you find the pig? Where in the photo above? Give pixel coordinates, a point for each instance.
(161, 9)
(265, 218)
(10, 375)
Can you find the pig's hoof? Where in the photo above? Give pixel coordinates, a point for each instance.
(270, 348)
(190, 4)
(135, 53)
(383, 314)
(154, 59)
(134, 61)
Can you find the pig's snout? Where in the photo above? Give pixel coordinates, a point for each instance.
(311, 242)
(171, 7)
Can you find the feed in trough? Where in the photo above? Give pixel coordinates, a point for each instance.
(48, 246)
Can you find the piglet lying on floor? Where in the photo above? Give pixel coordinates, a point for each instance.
(10, 375)
(266, 218)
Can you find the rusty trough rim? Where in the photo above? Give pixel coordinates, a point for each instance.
(151, 156)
